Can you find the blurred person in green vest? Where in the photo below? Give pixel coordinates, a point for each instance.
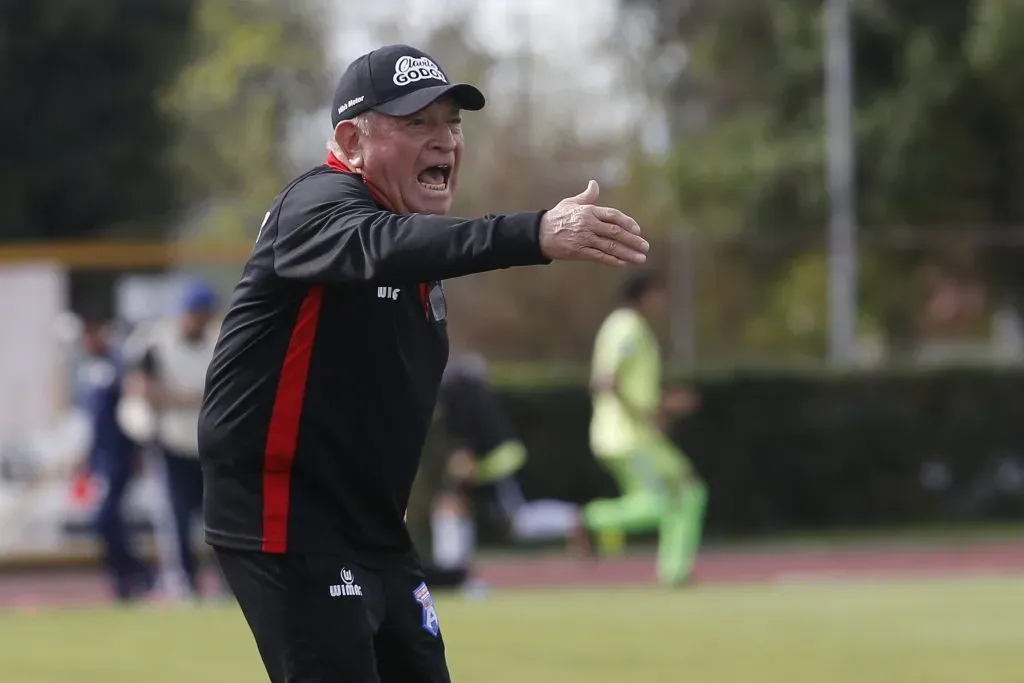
(660, 489)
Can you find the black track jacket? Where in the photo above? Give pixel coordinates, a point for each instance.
(326, 373)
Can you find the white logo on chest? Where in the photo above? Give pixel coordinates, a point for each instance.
(388, 293)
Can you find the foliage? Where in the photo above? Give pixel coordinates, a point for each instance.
(938, 125)
(121, 112)
(256, 67)
(83, 134)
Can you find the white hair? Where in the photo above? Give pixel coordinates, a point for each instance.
(364, 122)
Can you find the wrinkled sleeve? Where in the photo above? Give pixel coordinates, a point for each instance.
(326, 235)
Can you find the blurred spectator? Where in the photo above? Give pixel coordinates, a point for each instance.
(659, 486)
(111, 461)
(168, 364)
(483, 464)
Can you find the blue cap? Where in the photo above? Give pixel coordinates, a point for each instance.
(199, 296)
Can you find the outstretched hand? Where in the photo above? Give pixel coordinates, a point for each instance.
(576, 229)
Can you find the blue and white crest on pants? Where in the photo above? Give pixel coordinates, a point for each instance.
(430, 623)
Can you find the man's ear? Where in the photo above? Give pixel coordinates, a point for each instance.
(350, 142)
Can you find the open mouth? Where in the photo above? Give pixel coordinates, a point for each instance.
(435, 178)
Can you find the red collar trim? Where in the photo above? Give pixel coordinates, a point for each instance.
(339, 165)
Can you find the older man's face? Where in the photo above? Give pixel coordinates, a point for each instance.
(414, 160)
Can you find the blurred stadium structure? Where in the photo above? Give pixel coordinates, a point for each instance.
(705, 119)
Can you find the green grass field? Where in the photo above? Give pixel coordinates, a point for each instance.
(898, 632)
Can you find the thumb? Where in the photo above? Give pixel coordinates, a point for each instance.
(589, 195)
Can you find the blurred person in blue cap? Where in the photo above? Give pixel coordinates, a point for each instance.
(163, 394)
(111, 461)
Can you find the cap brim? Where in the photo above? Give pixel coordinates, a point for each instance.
(466, 96)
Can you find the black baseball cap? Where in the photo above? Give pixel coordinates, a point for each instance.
(397, 80)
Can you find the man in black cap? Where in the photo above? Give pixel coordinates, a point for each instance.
(325, 376)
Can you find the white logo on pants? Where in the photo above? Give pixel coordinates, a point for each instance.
(347, 587)
(411, 69)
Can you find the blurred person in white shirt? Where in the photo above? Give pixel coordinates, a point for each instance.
(167, 364)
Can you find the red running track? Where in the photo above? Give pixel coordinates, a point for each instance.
(724, 567)
(59, 589)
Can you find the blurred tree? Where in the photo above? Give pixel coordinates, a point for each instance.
(83, 138)
(256, 67)
(939, 130)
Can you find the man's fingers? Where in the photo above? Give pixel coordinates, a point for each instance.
(609, 215)
(619, 235)
(598, 256)
(623, 252)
